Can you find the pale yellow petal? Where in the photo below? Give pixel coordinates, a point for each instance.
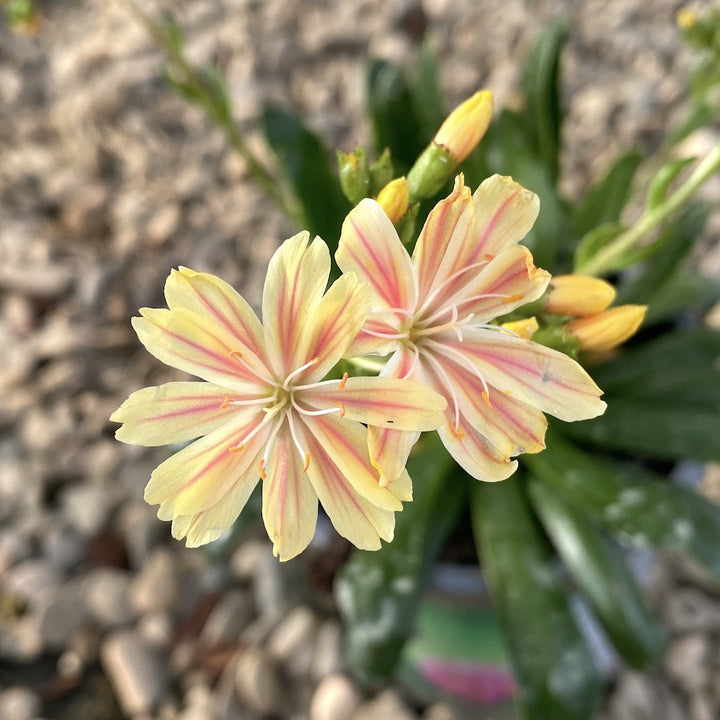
(200, 475)
(174, 412)
(370, 247)
(389, 451)
(190, 342)
(505, 212)
(208, 295)
(290, 504)
(296, 279)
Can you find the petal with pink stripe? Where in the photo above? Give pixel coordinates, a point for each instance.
(175, 412)
(290, 504)
(370, 247)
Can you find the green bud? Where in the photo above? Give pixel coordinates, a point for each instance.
(406, 225)
(557, 338)
(430, 172)
(354, 174)
(381, 172)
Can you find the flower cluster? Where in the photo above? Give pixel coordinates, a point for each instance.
(271, 408)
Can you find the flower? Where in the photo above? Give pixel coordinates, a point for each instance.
(433, 314)
(264, 411)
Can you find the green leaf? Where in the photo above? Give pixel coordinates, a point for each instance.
(606, 200)
(657, 192)
(427, 97)
(309, 172)
(629, 501)
(594, 241)
(541, 86)
(685, 292)
(379, 593)
(392, 114)
(669, 250)
(557, 676)
(659, 429)
(683, 365)
(598, 567)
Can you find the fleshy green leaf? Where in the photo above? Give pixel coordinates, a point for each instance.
(631, 502)
(599, 569)
(683, 365)
(308, 169)
(393, 116)
(558, 678)
(379, 593)
(594, 241)
(606, 200)
(426, 93)
(657, 192)
(541, 86)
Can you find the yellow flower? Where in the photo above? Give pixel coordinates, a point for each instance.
(393, 199)
(265, 411)
(578, 295)
(432, 313)
(465, 126)
(607, 329)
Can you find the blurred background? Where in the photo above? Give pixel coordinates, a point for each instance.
(108, 180)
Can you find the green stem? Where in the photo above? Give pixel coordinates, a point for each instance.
(604, 260)
(183, 71)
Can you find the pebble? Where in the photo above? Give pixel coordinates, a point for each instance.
(86, 507)
(19, 703)
(35, 581)
(335, 698)
(386, 704)
(135, 670)
(689, 609)
(293, 640)
(687, 661)
(258, 682)
(156, 586)
(63, 617)
(227, 620)
(106, 596)
(328, 652)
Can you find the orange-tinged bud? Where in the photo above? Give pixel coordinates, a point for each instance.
(524, 328)
(394, 198)
(578, 295)
(465, 126)
(607, 329)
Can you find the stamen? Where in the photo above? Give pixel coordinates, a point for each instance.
(237, 355)
(386, 336)
(314, 413)
(343, 382)
(237, 448)
(447, 350)
(486, 397)
(457, 431)
(225, 402)
(307, 463)
(449, 389)
(295, 373)
(261, 469)
(513, 298)
(342, 408)
(264, 400)
(439, 313)
(431, 297)
(240, 445)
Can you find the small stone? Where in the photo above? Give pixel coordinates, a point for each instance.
(156, 629)
(690, 610)
(135, 670)
(335, 698)
(163, 224)
(106, 596)
(156, 586)
(328, 651)
(387, 704)
(269, 584)
(63, 617)
(293, 641)
(227, 619)
(442, 711)
(257, 682)
(19, 703)
(86, 507)
(686, 661)
(701, 708)
(34, 581)
(20, 639)
(245, 560)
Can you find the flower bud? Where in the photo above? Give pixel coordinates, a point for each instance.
(354, 174)
(578, 295)
(393, 199)
(607, 329)
(523, 328)
(465, 126)
(381, 172)
(454, 141)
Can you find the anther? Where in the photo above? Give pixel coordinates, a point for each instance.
(237, 448)
(513, 298)
(342, 408)
(486, 397)
(457, 431)
(225, 402)
(307, 463)
(236, 354)
(344, 380)
(261, 469)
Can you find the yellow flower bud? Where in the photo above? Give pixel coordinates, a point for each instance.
(465, 126)
(394, 197)
(608, 328)
(686, 18)
(524, 328)
(578, 295)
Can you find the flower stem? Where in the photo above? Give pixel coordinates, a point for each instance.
(605, 260)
